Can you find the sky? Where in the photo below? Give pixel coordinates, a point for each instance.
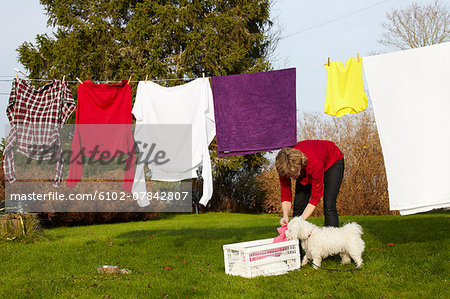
(312, 31)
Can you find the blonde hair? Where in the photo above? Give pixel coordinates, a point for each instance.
(289, 161)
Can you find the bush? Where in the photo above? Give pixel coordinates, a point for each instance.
(238, 189)
(20, 227)
(364, 187)
(54, 219)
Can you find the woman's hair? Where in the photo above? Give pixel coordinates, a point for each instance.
(289, 161)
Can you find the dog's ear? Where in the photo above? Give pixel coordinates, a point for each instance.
(292, 229)
(304, 228)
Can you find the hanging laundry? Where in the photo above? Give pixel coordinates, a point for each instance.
(188, 108)
(410, 96)
(36, 117)
(103, 125)
(345, 88)
(255, 112)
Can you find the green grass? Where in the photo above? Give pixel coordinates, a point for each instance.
(182, 256)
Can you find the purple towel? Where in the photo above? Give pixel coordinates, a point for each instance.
(255, 112)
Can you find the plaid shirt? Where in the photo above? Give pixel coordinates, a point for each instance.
(36, 117)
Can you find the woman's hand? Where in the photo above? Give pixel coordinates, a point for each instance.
(286, 208)
(309, 210)
(284, 221)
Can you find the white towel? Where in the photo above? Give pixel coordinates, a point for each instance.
(189, 105)
(410, 92)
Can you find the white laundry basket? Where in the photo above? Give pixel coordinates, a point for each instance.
(261, 257)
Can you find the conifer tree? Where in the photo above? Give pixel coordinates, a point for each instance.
(113, 39)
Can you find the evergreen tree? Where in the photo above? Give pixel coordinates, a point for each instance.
(115, 39)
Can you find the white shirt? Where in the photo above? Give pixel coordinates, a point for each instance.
(178, 122)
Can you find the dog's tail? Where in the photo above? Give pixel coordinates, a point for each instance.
(353, 227)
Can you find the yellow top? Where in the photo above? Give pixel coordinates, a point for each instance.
(345, 88)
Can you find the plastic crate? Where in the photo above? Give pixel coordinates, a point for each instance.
(261, 257)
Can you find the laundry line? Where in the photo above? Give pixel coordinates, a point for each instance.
(102, 81)
(95, 81)
(12, 77)
(303, 67)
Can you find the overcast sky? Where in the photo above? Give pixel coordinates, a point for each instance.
(312, 31)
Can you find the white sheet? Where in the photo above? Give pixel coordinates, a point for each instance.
(190, 105)
(410, 92)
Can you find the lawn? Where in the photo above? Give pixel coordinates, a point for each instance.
(181, 256)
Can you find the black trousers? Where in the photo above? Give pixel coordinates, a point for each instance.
(331, 185)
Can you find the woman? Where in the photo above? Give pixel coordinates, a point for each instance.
(318, 168)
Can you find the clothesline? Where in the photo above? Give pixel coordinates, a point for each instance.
(132, 81)
(106, 81)
(95, 81)
(137, 81)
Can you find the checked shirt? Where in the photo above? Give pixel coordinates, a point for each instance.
(36, 117)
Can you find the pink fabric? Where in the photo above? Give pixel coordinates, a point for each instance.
(282, 237)
(272, 252)
(263, 254)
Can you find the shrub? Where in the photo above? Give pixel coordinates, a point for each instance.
(238, 189)
(20, 226)
(54, 219)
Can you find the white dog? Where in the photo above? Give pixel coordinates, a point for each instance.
(320, 242)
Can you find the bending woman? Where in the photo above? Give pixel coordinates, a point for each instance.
(318, 168)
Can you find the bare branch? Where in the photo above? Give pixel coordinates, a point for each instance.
(416, 26)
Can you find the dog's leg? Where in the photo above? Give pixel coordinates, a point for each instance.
(317, 262)
(305, 260)
(345, 258)
(357, 258)
(359, 262)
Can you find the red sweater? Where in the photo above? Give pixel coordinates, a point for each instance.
(321, 156)
(103, 128)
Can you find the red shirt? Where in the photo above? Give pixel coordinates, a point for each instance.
(321, 154)
(103, 128)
